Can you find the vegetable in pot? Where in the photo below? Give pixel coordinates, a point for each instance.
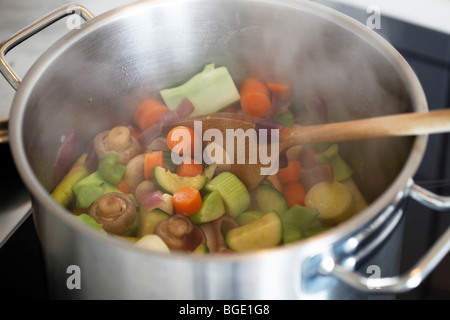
(116, 212)
(110, 169)
(265, 232)
(333, 201)
(88, 220)
(91, 188)
(152, 242)
(117, 140)
(63, 193)
(179, 233)
(234, 194)
(209, 91)
(135, 172)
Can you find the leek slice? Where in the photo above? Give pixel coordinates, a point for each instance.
(209, 91)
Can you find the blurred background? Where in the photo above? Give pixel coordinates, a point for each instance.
(419, 30)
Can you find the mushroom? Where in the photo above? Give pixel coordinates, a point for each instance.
(117, 140)
(215, 231)
(179, 233)
(115, 211)
(134, 172)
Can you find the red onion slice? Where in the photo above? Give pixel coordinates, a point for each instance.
(267, 124)
(183, 110)
(314, 175)
(64, 158)
(150, 199)
(148, 135)
(195, 238)
(91, 159)
(318, 110)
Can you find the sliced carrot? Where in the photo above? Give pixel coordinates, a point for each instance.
(188, 168)
(252, 85)
(294, 193)
(255, 97)
(187, 201)
(255, 104)
(123, 186)
(148, 113)
(280, 90)
(176, 141)
(135, 132)
(291, 173)
(151, 160)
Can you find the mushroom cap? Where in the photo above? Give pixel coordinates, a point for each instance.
(115, 211)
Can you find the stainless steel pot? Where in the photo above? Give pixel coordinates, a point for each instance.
(92, 79)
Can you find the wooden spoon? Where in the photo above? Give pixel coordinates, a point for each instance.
(404, 124)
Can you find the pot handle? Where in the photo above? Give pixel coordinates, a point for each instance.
(415, 275)
(31, 30)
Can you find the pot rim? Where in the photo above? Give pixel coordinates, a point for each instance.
(327, 238)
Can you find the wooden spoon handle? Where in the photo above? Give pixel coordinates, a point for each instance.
(404, 124)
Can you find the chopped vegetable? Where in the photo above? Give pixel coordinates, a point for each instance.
(210, 171)
(255, 97)
(249, 216)
(179, 233)
(91, 188)
(294, 193)
(333, 201)
(201, 249)
(311, 176)
(116, 212)
(142, 184)
(187, 201)
(117, 140)
(188, 168)
(291, 173)
(280, 90)
(212, 208)
(110, 169)
(63, 193)
(265, 232)
(168, 163)
(64, 158)
(151, 160)
(209, 91)
(270, 199)
(134, 172)
(152, 242)
(148, 113)
(234, 194)
(88, 220)
(299, 217)
(184, 110)
(315, 231)
(181, 140)
(123, 186)
(286, 119)
(171, 182)
(148, 220)
(291, 234)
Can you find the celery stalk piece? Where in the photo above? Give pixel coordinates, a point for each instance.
(209, 91)
(63, 193)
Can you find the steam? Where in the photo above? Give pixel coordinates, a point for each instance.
(320, 58)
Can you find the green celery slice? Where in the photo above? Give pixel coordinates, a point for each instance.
(209, 91)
